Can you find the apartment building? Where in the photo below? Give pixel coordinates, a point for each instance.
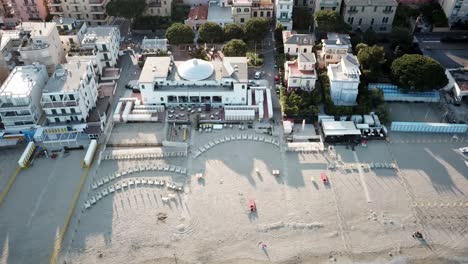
(91, 11)
(263, 8)
(220, 13)
(36, 42)
(301, 73)
(334, 47)
(241, 11)
(456, 11)
(105, 41)
(28, 10)
(159, 8)
(20, 97)
(364, 14)
(284, 13)
(344, 80)
(295, 43)
(71, 32)
(334, 5)
(71, 93)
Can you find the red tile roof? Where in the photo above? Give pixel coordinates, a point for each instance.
(198, 13)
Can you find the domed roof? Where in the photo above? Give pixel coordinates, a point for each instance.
(195, 70)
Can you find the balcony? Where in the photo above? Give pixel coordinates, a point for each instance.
(154, 4)
(10, 107)
(97, 2)
(352, 11)
(20, 118)
(55, 2)
(97, 10)
(74, 3)
(50, 104)
(388, 11)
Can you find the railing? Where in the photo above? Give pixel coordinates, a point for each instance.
(59, 104)
(18, 118)
(97, 2)
(154, 4)
(55, 2)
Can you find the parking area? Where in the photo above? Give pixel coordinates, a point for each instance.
(8, 163)
(36, 206)
(142, 134)
(415, 112)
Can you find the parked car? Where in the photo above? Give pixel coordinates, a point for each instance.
(133, 84)
(277, 79)
(464, 150)
(258, 74)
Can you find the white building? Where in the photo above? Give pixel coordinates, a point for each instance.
(364, 14)
(219, 13)
(334, 47)
(156, 44)
(92, 11)
(39, 42)
(295, 43)
(71, 32)
(455, 10)
(241, 11)
(333, 5)
(105, 41)
(20, 97)
(70, 93)
(284, 10)
(344, 80)
(301, 73)
(167, 82)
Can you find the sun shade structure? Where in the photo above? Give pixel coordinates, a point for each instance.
(195, 70)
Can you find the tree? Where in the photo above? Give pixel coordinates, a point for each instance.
(199, 53)
(235, 48)
(279, 33)
(211, 32)
(330, 21)
(418, 73)
(371, 58)
(360, 46)
(179, 33)
(234, 31)
(369, 37)
(401, 37)
(128, 9)
(256, 28)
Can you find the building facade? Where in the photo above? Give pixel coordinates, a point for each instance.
(159, 8)
(241, 11)
(334, 48)
(456, 11)
(364, 14)
(284, 10)
(295, 43)
(197, 16)
(194, 82)
(344, 80)
(28, 10)
(91, 11)
(71, 93)
(20, 97)
(301, 73)
(71, 32)
(220, 13)
(105, 43)
(263, 8)
(334, 5)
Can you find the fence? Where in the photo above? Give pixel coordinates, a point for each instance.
(428, 127)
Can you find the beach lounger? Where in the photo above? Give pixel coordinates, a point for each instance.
(111, 189)
(98, 196)
(94, 185)
(150, 182)
(172, 168)
(124, 184)
(87, 204)
(166, 168)
(183, 171)
(144, 181)
(111, 177)
(177, 170)
(131, 183)
(100, 183)
(92, 200)
(118, 186)
(106, 179)
(239, 137)
(165, 199)
(104, 192)
(137, 181)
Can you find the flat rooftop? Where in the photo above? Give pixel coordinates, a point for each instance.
(37, 29)
(337, 39)
(99, 34)
(347, 69)
(219, 13)
(155, 43)
(339, 128)
(21, 81)
(67, 78)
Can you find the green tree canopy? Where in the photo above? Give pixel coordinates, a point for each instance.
(211, 32)
(234, 31)
(179, 33)
(128, 9)
(235, 48)
(369, 37)
(330, 21)
(418, 73)
(371, 57)
(256, 28)
(401, 37)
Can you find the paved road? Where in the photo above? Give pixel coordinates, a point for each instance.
(450, 55)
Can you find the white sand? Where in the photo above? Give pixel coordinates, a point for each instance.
(299, 219)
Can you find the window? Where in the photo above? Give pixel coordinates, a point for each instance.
(294, 80)
(52, 98)
(261, 13)
(333, 8)
(353, 9)
(387, 9)
(243, 86)
(305, 50)
(297, 50)
(281, 7)
(372, 22)
(54, 112)
(268, 14)
(385, 20)
(71, 96)
(350, 20)
(360, 21)
(375, 9)
(255, 13)
(242, 20)
(161, 99)
(63, 111)
(383, 28)
(72, 110)
(246, 10)
(142, 86)
(322, 8)
(363, 8)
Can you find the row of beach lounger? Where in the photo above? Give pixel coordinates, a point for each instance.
(129, 183)
(170, 168)
(144, 156)
(233, 138)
